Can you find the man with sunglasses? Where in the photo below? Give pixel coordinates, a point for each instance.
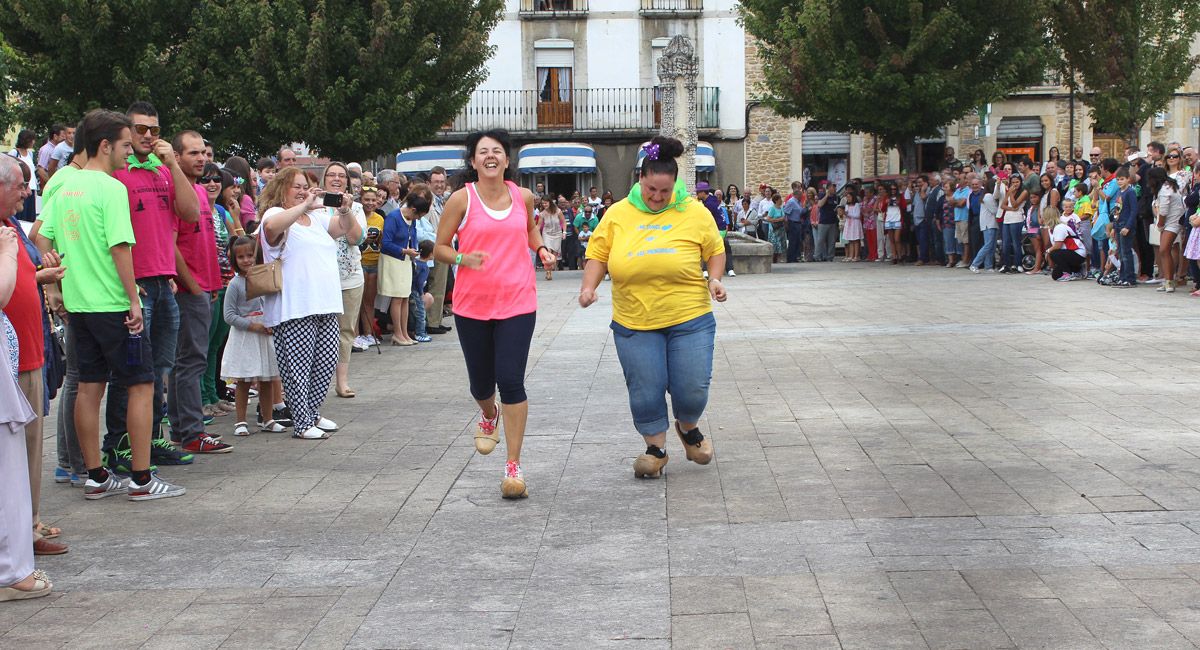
(159, 193)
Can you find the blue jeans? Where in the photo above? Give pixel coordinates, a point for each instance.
(922, 232)
(1125, 245)
(160, 318)
(795, 238)
(675, 360)
(986, 258)
(1011, 254)
(416, 310)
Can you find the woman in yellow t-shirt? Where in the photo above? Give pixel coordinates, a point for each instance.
(652, 244)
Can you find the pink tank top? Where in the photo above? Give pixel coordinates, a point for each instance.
(505, 286)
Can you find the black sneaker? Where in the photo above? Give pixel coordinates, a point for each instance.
(282, 416)
(120, 461)
(163, 452)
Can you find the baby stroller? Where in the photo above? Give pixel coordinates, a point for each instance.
(1028, 255)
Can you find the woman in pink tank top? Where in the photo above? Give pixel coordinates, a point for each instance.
(495, 292)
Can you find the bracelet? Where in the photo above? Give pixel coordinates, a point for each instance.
(458, 259)
(539, 250)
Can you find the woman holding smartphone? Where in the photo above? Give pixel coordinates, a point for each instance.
(398, 249)
(296, 229)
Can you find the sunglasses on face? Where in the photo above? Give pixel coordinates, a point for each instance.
(1093, 155)
(143, 129)
(205, 180)
(1174, 155)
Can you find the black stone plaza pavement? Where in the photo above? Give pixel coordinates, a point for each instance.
(905, 458)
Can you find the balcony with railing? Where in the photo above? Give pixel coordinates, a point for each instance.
(551, 9)
(622, 111)
(672, 7)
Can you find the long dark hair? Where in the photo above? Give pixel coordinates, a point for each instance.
(668, 150)
(471, 175)
(1156, 178)
(240, 168)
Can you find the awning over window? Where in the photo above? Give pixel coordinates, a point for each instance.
(706, 157)
(824, 142)
(556, 158)
(1019, 128)
(422, 159)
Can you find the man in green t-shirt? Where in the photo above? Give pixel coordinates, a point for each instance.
(87, 222)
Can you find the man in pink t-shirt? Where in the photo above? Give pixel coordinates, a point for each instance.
(159, 197)
(199, 277)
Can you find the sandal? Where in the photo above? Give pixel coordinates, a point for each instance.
(240, 429)
(47, 532)
(41, 587)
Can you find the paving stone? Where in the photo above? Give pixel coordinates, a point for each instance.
(890, 472)
(711, 631)
(707, 595)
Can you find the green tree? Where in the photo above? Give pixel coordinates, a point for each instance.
(354, 79)
(899, 69)
(1129, 57)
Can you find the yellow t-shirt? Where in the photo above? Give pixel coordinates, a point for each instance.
(374, 235)
(654, 261)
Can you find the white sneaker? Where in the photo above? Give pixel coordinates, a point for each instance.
(325, 424)
(732, 274)
(960, 265)
(974, 269)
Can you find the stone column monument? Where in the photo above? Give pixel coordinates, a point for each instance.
(677, 72)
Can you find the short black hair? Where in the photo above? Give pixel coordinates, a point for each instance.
(1157, 146)
(57, 127)
(425, 248)
(100, 125)
(264, 163)
(1110, 165)
(142, 108)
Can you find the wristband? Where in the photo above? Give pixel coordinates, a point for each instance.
(458, 259)
(539, 250)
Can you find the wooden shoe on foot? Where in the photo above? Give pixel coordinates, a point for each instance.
(487, 436)
(649, 466)
(702, 453)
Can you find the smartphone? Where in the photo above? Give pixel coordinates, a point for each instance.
(333, 200)
(1002, 175)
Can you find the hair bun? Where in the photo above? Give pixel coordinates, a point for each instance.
(668, 148)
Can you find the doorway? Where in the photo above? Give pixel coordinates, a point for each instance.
(554, 98)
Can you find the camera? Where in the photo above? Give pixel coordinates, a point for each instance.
(333, 199)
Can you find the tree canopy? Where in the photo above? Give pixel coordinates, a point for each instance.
(354, 79)
(898, 69)
(1131, 57)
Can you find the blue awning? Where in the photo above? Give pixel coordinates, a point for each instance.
(556, 158)
(422, 159)
(706, 157)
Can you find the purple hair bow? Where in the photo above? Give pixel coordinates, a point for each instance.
(651, 151)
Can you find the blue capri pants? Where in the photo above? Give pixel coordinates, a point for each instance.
(675, 360)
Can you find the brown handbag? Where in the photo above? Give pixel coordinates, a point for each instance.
(264, 279)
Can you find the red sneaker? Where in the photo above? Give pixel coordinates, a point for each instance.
(207, 445)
